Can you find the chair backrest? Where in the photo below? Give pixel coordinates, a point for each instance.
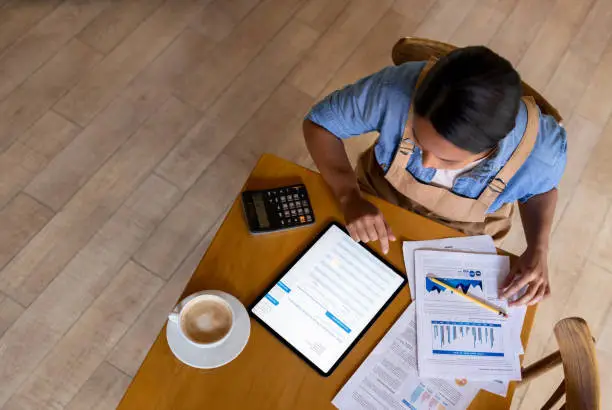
(581, 377)
(419, 49)
(579, 363)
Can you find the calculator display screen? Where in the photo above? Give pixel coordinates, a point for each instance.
(260, 208)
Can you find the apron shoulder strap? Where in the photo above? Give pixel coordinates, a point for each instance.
(520, 154)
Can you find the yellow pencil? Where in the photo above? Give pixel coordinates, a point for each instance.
(468, 297)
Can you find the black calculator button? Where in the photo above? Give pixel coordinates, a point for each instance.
(304, 203)
(296, 197)
(283, 198)
(291, 205)
(300, 211)
(293, 213)
(287, 214)
(285, 206)
(306, 211)
(308, 218)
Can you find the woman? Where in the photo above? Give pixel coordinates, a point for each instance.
(457, 144)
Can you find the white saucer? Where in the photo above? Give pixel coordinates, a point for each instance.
(211, 357)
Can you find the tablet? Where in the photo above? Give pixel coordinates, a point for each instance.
(327, 298)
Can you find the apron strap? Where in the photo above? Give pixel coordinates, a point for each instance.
(520, 154)
(406, 146)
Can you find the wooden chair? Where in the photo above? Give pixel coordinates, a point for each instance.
(577, 353)
(420, 49)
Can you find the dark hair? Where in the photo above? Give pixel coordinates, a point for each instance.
(471, 96)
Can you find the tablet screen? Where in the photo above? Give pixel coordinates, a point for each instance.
(328, 297)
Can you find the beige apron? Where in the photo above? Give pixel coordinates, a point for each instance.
(468, 215)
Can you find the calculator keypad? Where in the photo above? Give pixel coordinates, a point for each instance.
(290, 206)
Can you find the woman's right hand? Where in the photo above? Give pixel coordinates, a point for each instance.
(365, 222)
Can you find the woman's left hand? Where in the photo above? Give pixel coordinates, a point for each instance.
(530, 270)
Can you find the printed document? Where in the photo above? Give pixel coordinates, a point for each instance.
(458, 338)
(388, 378)
(475, 244)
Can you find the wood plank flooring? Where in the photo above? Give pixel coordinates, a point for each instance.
(128, 127)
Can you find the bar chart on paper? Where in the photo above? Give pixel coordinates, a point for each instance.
(423, 398)
(466, 338)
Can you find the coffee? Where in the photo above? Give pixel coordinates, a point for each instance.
(206, 320)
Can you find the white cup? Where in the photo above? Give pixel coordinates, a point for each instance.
(176, 316)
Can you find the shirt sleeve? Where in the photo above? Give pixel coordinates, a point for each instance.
(549, 158)
(360, 108)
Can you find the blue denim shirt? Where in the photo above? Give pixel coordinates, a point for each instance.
(380, 102)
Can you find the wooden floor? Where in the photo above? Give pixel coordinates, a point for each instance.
(128, 127)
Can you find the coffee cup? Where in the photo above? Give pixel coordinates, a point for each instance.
(204, 320)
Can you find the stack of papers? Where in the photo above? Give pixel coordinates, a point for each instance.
(388, 378)
(443, 349)
(457, 337)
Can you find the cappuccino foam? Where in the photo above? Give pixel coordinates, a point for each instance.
(206, 321)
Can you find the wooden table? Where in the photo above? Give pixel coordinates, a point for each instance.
(267, 375)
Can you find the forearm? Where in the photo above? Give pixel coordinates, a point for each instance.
(537, 216)
(329, 155)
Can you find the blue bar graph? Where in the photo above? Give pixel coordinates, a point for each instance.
(466, 337)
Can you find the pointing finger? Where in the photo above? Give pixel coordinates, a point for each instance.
(390, 233)
(381, 230)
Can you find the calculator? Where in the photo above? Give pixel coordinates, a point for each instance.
(276, 209)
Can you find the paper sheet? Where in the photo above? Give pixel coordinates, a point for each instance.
(476, 244)
(388, 378)
(457, 337)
